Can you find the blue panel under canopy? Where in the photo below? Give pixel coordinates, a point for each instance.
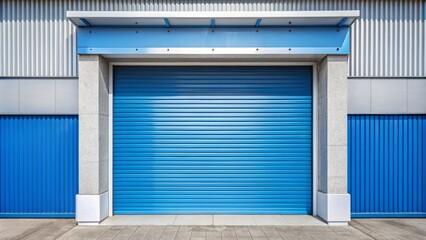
(143, 41)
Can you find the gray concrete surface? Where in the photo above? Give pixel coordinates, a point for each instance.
(332, 125)
(332, 140)
(93, 125)
(67, 229)
(408, 228)
(215, 220)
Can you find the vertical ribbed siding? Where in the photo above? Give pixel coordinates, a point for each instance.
(387, 41)
(36, 39)
(387, 165)
(38, 166)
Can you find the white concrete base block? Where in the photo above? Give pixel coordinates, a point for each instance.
(91, 209)
(335, 209)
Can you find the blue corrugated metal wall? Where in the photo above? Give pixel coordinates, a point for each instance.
(38, 166)
(212, 140)
(387, 165)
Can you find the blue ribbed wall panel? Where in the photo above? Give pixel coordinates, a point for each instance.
(387, 165)
(212, 140)
(38, 166)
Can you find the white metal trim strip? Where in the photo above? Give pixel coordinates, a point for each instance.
(79, 18)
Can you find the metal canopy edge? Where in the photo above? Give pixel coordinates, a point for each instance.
(169, 19)
(191, 33)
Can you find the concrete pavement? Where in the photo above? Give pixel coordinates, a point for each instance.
(67, 229)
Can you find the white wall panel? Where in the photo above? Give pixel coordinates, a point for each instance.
(37, 96)
(389, 96)
(37, 40)
(416, 96)
(9, 96)
(66, 96)
(386, 96)
(359, 96)
(26, 96)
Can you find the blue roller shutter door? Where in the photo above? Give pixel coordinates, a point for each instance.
(38, 166)
(387, 165)
(212, 140)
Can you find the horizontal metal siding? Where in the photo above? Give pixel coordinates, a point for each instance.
(387, 165)
(38, 166)
(387, 41)
(212, 140)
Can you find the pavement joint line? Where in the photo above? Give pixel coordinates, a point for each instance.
(31, 231)
(361, 229)
(100, 237)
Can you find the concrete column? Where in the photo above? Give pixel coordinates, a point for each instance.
(92, 200)
(333, 199)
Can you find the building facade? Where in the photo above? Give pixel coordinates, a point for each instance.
(213, 107)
